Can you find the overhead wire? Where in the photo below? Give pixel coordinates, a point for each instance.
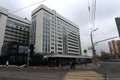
(26, 7)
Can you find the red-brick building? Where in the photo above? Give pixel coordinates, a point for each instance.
(114, 47)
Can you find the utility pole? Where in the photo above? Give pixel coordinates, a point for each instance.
(93, 47)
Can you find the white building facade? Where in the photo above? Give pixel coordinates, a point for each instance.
(13, 29)
(51, 33)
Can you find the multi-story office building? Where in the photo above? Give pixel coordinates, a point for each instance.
(117, 20)
(54, 34)
(14, 33)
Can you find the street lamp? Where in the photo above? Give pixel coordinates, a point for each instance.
(93, 48)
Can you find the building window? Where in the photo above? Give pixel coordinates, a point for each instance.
(52, 47)
(59, 52)
(52, 39)
(60, 41)
(52, 51)
(59, 48)
(52, 43)
(59, 45)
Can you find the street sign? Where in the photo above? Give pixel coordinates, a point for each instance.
(89, 48)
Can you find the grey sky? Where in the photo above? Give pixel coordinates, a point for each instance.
(77, 12)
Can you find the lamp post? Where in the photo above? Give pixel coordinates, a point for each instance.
(93, 48)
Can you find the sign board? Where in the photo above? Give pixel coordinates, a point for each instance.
(89, 48)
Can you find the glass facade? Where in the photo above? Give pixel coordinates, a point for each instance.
(46, 32)
(33, 30)
(59, 35)
(23, 49)
(16, 32)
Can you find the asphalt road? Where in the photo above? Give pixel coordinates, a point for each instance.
(109, 70)
(28, 75)
(50, 75)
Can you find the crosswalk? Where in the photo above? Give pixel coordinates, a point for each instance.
(83, 75)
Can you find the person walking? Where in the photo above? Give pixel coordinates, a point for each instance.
(73, 65)
(85, 62)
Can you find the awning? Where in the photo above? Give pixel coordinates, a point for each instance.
(65, 56)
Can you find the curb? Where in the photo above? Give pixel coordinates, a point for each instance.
(35, 68)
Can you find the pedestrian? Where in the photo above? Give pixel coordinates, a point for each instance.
(85, 62)
(73, 65)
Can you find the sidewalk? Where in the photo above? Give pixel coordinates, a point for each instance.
(37, 68)
(89, 66)
(82, 66)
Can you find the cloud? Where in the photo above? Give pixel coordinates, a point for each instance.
(10, 4)
(107, 8)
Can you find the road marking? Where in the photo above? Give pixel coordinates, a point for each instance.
(83, 75)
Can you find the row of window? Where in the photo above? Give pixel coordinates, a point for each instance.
(17, 25)
(74, 42)
(58, 52)
(17, 34)
(73, 47)
(73, 51)
(71, 44)
(11, 36)
(69, 32)
(16, 31)
(15, 40)
(75, 37)
(52, 43)
(57, 48)
(63, 23)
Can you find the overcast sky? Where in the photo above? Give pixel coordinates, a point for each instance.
(77, 12)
